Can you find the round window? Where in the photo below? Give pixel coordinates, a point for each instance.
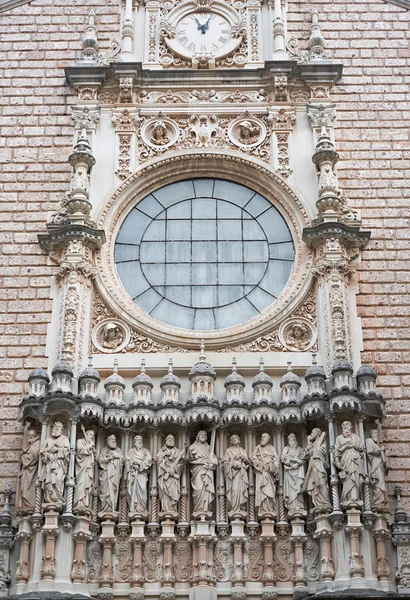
(204, 254)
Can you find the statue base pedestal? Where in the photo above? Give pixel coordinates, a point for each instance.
(137, 529)
(238, 528)
(202, 592)
(200, 528)
(168, 529)
(268, 528)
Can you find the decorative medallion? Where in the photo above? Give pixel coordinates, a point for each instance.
(160, 133)
(297, 335)
(247, 132)
(111, 336)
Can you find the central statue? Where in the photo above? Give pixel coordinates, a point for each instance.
(203, 464)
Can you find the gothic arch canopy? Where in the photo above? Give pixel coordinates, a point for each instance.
(175, 168)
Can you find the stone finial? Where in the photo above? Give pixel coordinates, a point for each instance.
(82, 161)
(290, 385)
(342, 373)
(262, 385)
(315, 378)
(170, 385)
(316, 41)
(366, 380)
(114, 384)
(202, 377)
(325, 158)
(89, 53)
(234, 385)
(88, 380)
(142, 386)
(62, 375)
(38, 381)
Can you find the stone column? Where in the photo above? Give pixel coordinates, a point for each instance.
(324, 534)
(401, 539)
(127, 32)
(298, 538)
(7, 532)
(23, 564)
(354, 528)
(50, 531)
(107, 540)
(382, 535)
(268, 539)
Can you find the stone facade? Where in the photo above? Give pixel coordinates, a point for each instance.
(80, 148)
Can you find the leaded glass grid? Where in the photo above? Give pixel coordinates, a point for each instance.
(204, 254)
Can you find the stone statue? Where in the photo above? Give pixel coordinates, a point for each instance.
(55, 455)
(170, 462)
(26, 491)
(112, 336)
(203, 463)
(137, 465)
(235, 465)
(293, 477)
(111, 461)
(159, 134)
(266, 462)
(348, 459)
(316, 482)
(377, 469)
(84, 470)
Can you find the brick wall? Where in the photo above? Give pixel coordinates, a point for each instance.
(372, 137)
(372, 40)
(37, 41)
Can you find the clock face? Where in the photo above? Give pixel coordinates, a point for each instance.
(200, 32)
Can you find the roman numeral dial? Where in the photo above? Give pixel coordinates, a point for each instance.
(203, 32)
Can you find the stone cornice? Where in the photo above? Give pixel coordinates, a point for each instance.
(6, 5)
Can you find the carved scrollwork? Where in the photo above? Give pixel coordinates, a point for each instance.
(223, 560)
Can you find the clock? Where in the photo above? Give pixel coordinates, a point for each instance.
(203, 32)
(195, 32)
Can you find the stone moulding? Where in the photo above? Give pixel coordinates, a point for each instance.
(160, 171)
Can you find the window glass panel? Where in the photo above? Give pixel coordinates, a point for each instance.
(256, 251)
(180, 316)
(204, 251)
(229, 293)
(229, 230)
(204, 296)
(203, 187)
(276, 277)
(230, 251)
(204, 319)
(178, 252)
(179, 294)
(178, 230)
(181, 210)
(257, 205)
(253, 231)
(274, 226)
(133, 227)
(148, 300)
(204, 230)
(203, 274)
(232, 314)
(152, 252)
(254, 272)
(230, 273)
(126, 252)
(260, 299)
(284, 251)
(170, 194)
(204, 208)
(155, 231)
(226, 190)
(150, 206)
(178, 274)
(155, 274)
(132, 278)
(227, 210)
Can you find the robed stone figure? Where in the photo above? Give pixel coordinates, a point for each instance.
(266, 463)
(316, 477)
(170, 462)
(203, 464)
(293, 477)
(348, 459)
(235, 465)
(84, 470)
(26, 491)
(111, 461)
(55, 456)
(377, 469)
(137, 466)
